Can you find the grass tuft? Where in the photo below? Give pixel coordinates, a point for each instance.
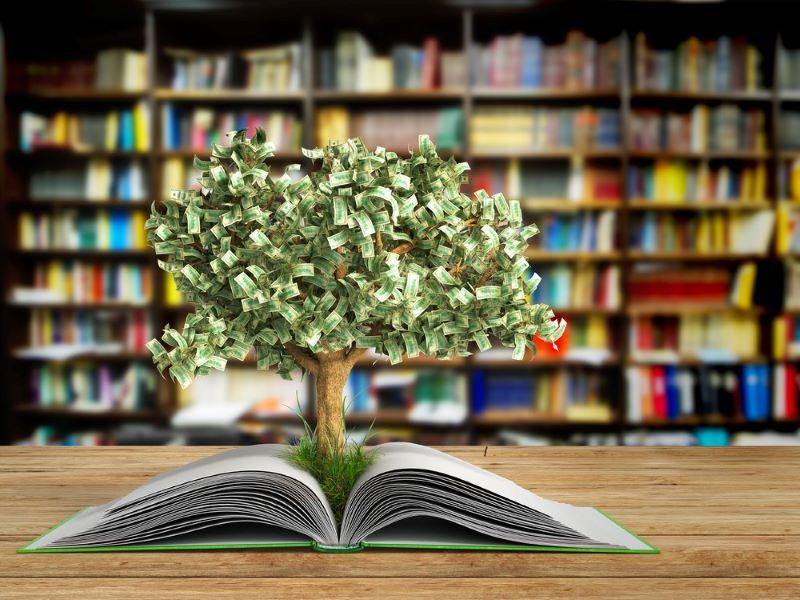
(336, 472)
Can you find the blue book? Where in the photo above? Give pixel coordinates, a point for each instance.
(478, 391)
(673, 393)
(763, 392)
(119, 238)
(126, 132)
(531, 67)
(750, 396)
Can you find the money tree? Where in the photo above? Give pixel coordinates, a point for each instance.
(369, 251)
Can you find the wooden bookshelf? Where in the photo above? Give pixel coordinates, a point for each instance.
(461, 27)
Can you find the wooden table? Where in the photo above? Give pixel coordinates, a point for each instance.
(727, 522)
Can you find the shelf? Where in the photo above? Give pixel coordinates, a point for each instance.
(704, 155)
(528, 363)
(100, 254)
(567, 205)
(712, 421)
(680, 308)
(637, 255)
(434, 95)
(555, 256)
(97, 358)
(67, 413)
(81, 305)
(526, 418)
(711, 96)
(410, 363)
(66, 153)
(188, 153)
(521, 93)
(77, 95)
(51, 203)
(545, 154)
(691, 361)
(639, 204)
(586, 310)
(227, 95)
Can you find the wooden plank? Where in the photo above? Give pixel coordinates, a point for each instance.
(401, 587)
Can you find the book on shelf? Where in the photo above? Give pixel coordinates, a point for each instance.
(550, 396)
(69, 229)
(664, 285)
(566, 286)
(719, 337)
(722, 128)
(550, 180)
(787, 229)
(424, 396)
(523, 61)
(694, 183)
(297, 514)
(172, 295)
(275, 68)
(92, 388)
(786, 337)
(789, 68)
(785, 392)
(532, 128)
(99, 179)
(393, 129)
(82, 331)
(126, 130)
(791, 287)
(121, 69)
(789, 132)
(703, 233)
(178, 174)
(198, 128)
(668, 392)
(724, 64)
(587, 231)
(66, 281)
(587, 339)
(353, 65)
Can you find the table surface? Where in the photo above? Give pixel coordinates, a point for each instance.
(727, 521)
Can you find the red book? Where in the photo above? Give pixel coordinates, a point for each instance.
(97, 283)
(791, 392)
(430, 63)
(659, 388)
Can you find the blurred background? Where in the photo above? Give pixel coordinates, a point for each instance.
(656, 145)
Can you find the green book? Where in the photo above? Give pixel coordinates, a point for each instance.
(411, 497)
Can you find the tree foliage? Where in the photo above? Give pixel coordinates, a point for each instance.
(372, 250)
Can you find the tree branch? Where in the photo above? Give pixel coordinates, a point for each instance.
(302, 358)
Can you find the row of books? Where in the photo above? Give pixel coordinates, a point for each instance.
(589, 231)
(127, 130)
(95, 388)
(557, 179)
(127, 330)
(271, 69)
(531, 128)
(393, 129)
(60, 281)
(789, 131)
(706, 337)
(97, 180)
(726, 127)
(517, 60)
(713, 65)
(353, 65)
(787, 229)
(579, 286)
(200, 127)
(745, 233)
(554, 395)
(425, 396)
(789, 68)
(669, 392)
(786, 337)
(689, 182)
(116, 229)
(668, 285)
(112, 69)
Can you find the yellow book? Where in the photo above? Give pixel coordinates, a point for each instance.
(380, 74)
(597, 332)
(718, 231)
(27, 230)
(173, 176)
(751, 68)
(139, 234)
(103, 225)
(514, 187)
(141, 127)
(703, 236)
(47, 328)
(783, 228)
(779, 337)
(172, 295)
(112, 130)
(746, 188)
(743, 285)
(333, 124)
(60, 129)
(794, 180)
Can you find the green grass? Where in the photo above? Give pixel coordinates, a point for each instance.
(336, 472)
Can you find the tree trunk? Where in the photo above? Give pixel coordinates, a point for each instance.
(331, 377)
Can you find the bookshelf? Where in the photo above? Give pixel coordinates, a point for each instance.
(460, 31)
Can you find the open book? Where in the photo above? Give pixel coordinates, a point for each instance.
(409, 497)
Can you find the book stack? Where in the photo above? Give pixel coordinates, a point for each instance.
(99, 179)
(556, 395)
(116, 229)
(272, 69)
(88, 387)
(746, 233)
(670, 286)
(685, 182)
(579, 287)
(353, 65)
(534, 129)
(128, 330)
(121, 69)
(722, 128)
(669, 339)
(520, 61)
(126, 130)
(786, 337)
(60, 281)
(199, 128)
(589, 231)
(660, 393)
(528, 180)
(714, 65)
(392, 129)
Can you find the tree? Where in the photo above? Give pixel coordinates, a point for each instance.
(370, 251)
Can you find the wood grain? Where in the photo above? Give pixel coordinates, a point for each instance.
(727, 522)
